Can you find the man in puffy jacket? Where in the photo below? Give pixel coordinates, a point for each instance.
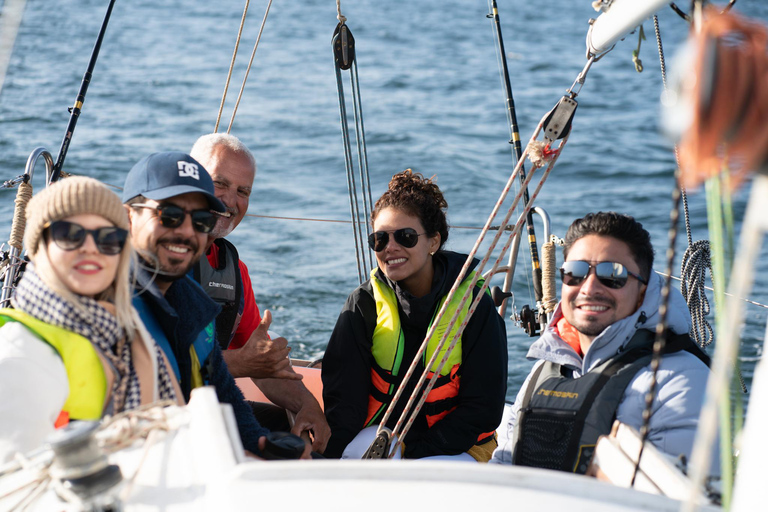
(593, 360)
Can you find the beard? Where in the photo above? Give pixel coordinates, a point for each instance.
(592, 326)
(172, 269)
(224, 225)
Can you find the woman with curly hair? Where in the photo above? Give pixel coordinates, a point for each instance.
(385, 321)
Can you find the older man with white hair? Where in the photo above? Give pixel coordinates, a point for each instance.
(247, 350)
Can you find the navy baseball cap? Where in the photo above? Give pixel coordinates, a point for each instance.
(172, 173)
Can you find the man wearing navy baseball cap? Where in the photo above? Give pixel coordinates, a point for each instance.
(172, 208)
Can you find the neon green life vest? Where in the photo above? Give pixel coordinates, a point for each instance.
(388, 347)
(85, 372)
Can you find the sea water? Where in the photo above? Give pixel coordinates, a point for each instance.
(432, 101)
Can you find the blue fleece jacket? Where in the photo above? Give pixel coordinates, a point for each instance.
(183, 313)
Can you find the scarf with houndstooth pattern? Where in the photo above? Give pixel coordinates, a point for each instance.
(96, 324)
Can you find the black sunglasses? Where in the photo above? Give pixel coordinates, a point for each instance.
(172, 216)
(609, 273)
(70, 236)
(407, 237)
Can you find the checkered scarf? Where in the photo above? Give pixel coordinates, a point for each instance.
(96, 324)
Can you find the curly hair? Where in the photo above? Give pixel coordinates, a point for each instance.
(619, 226)
(417, 196)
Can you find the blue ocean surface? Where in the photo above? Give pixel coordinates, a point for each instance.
(432, 101)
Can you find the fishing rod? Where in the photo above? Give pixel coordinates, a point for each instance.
(75, 110)
(518, 151)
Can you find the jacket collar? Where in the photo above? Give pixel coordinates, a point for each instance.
(185, 309)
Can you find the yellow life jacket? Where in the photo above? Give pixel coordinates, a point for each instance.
(388, 347)
(85, 371)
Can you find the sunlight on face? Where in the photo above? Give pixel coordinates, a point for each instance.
(84, 270)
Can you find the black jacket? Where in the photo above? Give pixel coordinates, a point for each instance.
(347, 367)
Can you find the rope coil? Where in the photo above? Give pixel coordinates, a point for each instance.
(696, 261)
(23, 195)
(548, 271)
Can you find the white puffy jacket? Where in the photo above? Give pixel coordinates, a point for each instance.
(681, 379)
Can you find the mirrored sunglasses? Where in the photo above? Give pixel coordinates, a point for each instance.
(610, 274)
(172, 216)
(407, 237)
(70, 236)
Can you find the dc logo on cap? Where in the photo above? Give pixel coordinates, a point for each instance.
(188, 170)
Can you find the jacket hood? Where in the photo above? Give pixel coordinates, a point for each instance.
(614, 338)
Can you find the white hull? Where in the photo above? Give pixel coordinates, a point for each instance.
(180, 470)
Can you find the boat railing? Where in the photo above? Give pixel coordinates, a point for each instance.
(12, 261)
(501, 295)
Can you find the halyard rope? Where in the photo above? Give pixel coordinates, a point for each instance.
(247, 70)
(696, 259)
(231, 66)
(250, 63)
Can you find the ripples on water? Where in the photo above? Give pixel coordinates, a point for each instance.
(432, 101)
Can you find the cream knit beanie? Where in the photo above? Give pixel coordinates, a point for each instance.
(66, 198)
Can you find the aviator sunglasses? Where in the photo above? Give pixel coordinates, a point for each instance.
(407, 237)
(172, 216)
(609, 273)
(70, 236)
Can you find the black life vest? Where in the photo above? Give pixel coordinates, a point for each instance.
(561, 417)
(225, 286)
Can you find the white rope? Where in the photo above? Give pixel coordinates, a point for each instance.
(114, 434)
(397, 432)
(231, 66)
(339, 16)
(250, 63)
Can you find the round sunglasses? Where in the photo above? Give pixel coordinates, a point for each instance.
(172, 216)
(610, 274)
(407, 237)
(70, 236)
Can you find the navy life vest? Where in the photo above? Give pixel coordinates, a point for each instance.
(561, 417)
(224, 285)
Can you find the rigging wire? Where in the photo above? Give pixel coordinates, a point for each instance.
(696, 259)
(231, 66)
(343, 46)
(247, 69)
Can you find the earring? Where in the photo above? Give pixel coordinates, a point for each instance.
(432, 253)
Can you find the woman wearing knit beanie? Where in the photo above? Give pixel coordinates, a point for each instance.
(73, 347)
